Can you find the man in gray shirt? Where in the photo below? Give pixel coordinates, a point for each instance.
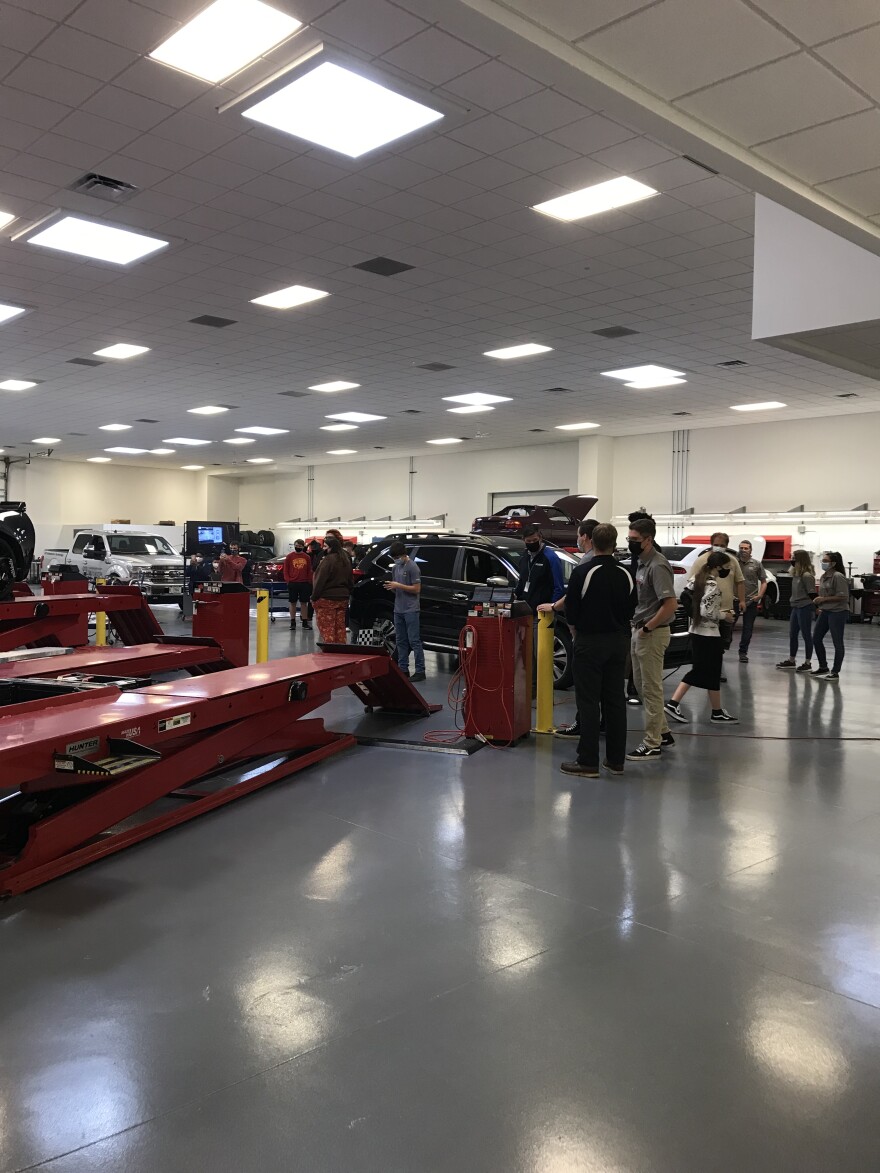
(406, 582)
(654, 611)
(756, 584)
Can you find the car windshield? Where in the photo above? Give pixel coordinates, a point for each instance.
(140, 545)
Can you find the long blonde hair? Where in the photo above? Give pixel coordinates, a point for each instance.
(803, 563)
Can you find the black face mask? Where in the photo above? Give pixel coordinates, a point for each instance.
(723, 573)
(533, 547)
(635, 548)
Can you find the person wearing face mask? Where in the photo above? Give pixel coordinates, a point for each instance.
(832, 604)
(705, 642)
(587, 553)
(232, 565)
(733, 584)
(406, 582)
(540, 572)
(655, 608)
(331, 591)
(297, 573)
(756, 584)
(803, 591)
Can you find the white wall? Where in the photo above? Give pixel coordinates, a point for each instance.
(264, 501)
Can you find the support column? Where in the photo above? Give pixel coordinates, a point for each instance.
(596, 473)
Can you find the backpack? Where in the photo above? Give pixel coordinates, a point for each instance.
(686, 601)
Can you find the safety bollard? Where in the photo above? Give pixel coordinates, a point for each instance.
(100, 621)
(262, 626)
(544, 674)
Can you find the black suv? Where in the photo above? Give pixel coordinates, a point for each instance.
(452, 566)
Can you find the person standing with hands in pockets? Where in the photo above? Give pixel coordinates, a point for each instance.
(406, 582)
(832, 604)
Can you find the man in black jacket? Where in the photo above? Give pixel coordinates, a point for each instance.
(599, 605)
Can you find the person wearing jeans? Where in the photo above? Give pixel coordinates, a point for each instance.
(800, 623)
(406, 582)
(833, 606)
(756, 585)
(654, 611)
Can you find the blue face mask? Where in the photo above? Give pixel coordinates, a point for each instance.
(826, 565)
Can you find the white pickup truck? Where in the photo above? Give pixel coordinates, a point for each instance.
(141, 557)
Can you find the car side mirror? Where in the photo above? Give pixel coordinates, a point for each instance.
(497, 580)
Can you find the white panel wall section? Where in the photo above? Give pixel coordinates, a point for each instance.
(373, 488)
(222, 499)
(642, 474)
(264, 501)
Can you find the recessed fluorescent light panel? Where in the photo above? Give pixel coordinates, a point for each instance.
(186, 441)
(192, 467)
(47, 440)
(6, 218)
(517, 351)
(469, 409)
(122, 350)
(448, 440)
(161, 451)
(342, 451)
(206, 410)
(260, 460)
(115, 428)
(355, 417)
(99, 460)
(100, 242)
(575, 427)
(599, 197)
(16, 385)
(239, 440)
(339, 385)
(286, 299)
(646, 377)
(770, 405)
(260, 431)
(127, 451)
(225, 37)
(339, 427)
(477, 398)
(341, 110)
(10, 311)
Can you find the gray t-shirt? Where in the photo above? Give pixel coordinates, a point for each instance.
(408, 573)
(754, 574)
(833, 582)
(802, 586)
(655, 583)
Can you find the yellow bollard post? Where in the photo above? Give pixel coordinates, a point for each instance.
(262, 626)
(100, 621)
(544, 674)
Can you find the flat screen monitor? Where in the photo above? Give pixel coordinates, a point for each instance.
(211, 533)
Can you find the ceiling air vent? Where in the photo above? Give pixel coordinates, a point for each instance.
(537, 429)
(558, 391)
(383, 267)
(86, 362)
(702, 166)
(295, 394)
(436, 366)
(681, 413)
(210, 320)
(615, 332)
(733, 362)
(848, 395)
(102, 187)
(411, 411)
(146, 421)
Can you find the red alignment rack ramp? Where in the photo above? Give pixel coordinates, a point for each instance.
(75, 767)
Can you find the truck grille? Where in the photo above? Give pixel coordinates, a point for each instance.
(175, 576)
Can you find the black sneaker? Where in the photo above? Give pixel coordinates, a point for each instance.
(743, 658)
(786, 664)
(805, 667)
(643, 753)
(674, 711)
(667, 741)
(575, 767)
(830, 676)
(724, 680)
(633, 700)
(307, 626)
(618, 770)
(572, 732)
(821, 671)
(418, 677)
(724, 718)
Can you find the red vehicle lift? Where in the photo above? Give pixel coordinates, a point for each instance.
(80, 770)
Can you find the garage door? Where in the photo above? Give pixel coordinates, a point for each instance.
(526, 497)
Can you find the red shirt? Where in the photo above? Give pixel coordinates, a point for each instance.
(297, 567)
(231, 566)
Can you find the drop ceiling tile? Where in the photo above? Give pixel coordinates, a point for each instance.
(204, 134)
(31, 109)
(856, 57)
(677, 46)
(812, 21)
(633, 155)
(128, 25)
(571, 21)
(374, 28)
(775, 99)
(544, 112)
(490, 134)
(43, 77)
(591, 134)
(433, 56)
(537, 155)
(493, 85)
(827, 152)
(23, 30)
(579, 173)
(709, 190)
(53, 9)
(162, 152)
(488, 174)
(859, 192)
(97, 132)
(130, 109)
(312, 171)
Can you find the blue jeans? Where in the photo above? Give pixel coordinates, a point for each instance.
(837, 621)
(800, 620)
(409, 639)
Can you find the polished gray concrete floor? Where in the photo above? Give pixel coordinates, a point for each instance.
(406, 962)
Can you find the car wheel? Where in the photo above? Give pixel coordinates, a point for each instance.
(382, 635)
(562, 658)
(768, 605)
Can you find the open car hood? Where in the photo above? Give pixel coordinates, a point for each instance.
(577, 506)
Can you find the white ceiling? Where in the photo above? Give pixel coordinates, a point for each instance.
(250, 210)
